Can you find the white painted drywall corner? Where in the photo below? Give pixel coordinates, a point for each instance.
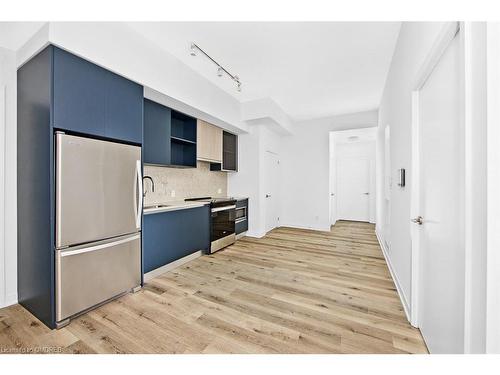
(8, 149)
(266, 111)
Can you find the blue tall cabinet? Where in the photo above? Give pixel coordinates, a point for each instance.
(60, 91)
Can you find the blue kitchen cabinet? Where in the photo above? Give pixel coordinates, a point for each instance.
(124, 109)
(91, 100)
(169, 136)
(157, 123)
(171, 235)
(79, 94)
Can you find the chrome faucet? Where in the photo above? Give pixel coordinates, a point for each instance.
(152, 184)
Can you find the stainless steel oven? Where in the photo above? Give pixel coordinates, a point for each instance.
(223, 226)
(223, 220)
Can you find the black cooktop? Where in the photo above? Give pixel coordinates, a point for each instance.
(214, 201)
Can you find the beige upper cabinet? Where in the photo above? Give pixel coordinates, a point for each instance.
(209, 142)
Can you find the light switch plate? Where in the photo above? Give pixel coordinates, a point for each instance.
(219, 191)
(172, 194)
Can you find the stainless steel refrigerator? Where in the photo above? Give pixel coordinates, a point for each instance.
(98, 222)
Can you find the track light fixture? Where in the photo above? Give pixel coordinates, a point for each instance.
(193, 51)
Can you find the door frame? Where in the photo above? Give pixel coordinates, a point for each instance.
(493, 161)
(473, 134)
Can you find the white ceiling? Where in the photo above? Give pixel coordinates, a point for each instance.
(310, 70)
(13, 35)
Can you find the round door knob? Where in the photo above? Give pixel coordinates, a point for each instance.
(418, 220)
(268, 195)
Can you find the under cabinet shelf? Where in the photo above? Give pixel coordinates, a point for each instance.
(182, 140)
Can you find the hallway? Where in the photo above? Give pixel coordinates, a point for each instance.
(293, 291)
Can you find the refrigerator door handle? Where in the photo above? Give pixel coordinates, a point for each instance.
(65, 253)
(140, 197)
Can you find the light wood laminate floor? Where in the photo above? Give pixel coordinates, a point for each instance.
(293, 291)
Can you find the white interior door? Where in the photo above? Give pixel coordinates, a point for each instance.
(333, 197)
(353, 189)
(271, 190)
(441, 206)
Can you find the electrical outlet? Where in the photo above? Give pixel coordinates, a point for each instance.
(219, 191)
(172, 193)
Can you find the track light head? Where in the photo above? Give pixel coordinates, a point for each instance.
(239, 87)
(192, 52)
(219, 71)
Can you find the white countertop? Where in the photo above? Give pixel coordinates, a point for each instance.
(171, 206)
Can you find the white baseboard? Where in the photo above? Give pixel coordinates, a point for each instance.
(255, 234)
(10, 299)
(317, 228)
(169, 267)
(402, 296)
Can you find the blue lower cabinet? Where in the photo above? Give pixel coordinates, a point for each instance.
(169, 236)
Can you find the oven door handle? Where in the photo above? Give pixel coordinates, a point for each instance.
(218, 209)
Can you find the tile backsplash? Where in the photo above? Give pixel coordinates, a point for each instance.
(183, 183)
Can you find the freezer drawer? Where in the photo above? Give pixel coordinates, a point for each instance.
(98, 190)
(89, 275)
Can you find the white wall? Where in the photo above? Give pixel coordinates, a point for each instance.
(414, 42)
(8, 238)
(305, 169)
